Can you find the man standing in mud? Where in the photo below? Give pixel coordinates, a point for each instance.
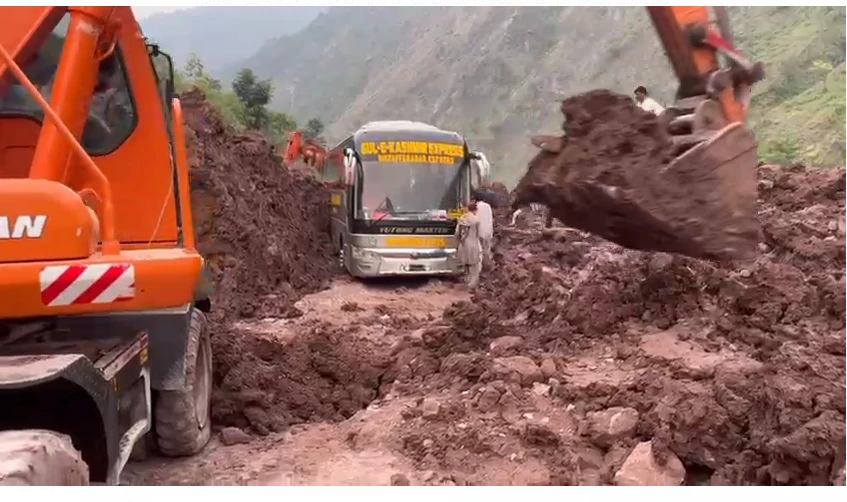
(469, 253)
(486, 226)
(647, 103)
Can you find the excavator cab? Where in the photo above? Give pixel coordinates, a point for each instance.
(99, 272)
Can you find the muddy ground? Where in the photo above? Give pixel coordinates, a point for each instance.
(576, 362)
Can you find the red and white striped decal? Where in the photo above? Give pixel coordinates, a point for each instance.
(81, 284)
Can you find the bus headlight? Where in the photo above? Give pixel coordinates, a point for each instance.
(363, 254)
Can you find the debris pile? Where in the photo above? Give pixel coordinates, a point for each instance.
(734, 371)
(264, 232)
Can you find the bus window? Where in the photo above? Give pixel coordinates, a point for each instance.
(333, 168)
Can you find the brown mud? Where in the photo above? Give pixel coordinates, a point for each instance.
(577, 361)
(736, 369)
(264, 232)
(611, 175)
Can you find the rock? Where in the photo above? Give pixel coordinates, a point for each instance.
(428, 476)
(540, 389)
(548, 368)
(612, 425)
(518, 368)
(765, 184)
(659, 262)
(488, 399)
(398, 479)
(428, 443)
(504, 344)
(430, 408)
(641, 469)
(509, 407)
(540, 435)
(234, 435)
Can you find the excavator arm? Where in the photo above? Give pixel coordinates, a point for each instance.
(694, 194)
(693, 46)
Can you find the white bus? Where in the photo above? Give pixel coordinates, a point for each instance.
(397, 189)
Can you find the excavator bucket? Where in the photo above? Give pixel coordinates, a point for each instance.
(618, 174)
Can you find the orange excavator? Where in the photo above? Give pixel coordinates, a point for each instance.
(103, 336)
(298, 147)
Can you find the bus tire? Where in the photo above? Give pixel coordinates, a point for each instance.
(184, 417)
(38, 457)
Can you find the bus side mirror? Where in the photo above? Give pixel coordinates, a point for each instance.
(349, 165)
(481, 169)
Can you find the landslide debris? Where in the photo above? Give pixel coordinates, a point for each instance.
(264, 231)
(610, 175)
(735, 369)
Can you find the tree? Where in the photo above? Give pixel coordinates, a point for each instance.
(313, 130)
(279, 124)
(255, 94)
(196, 73)
(194, 67)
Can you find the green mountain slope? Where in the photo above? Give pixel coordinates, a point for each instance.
(495, 73)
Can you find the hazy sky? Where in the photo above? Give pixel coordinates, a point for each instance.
(142, 12)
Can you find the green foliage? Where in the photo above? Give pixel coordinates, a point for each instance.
(798, 110)
(255, 95)
(245, 107)
(314, 129)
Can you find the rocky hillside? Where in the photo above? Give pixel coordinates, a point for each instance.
(496, 73)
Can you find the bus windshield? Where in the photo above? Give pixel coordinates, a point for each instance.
(418, 190)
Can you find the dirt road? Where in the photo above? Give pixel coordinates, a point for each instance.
(375, 320)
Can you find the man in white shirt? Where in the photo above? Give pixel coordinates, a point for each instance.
(645, 102)
(486, 225)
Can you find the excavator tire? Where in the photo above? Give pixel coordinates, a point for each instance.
(183, 417)
(40, 458)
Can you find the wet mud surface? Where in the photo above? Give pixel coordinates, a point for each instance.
(264, 231)
(576, 362)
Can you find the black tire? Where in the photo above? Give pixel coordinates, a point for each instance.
(183, 417)
(40, 458)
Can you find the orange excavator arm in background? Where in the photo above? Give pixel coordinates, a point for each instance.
(312, 154)
(692, 46)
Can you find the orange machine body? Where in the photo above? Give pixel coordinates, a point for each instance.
(107, 210)
(310, 151)
(692, 63)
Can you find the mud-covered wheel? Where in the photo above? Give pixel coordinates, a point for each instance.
(183, 417)
(40, 458)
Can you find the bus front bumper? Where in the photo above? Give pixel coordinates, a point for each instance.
(376, 262)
